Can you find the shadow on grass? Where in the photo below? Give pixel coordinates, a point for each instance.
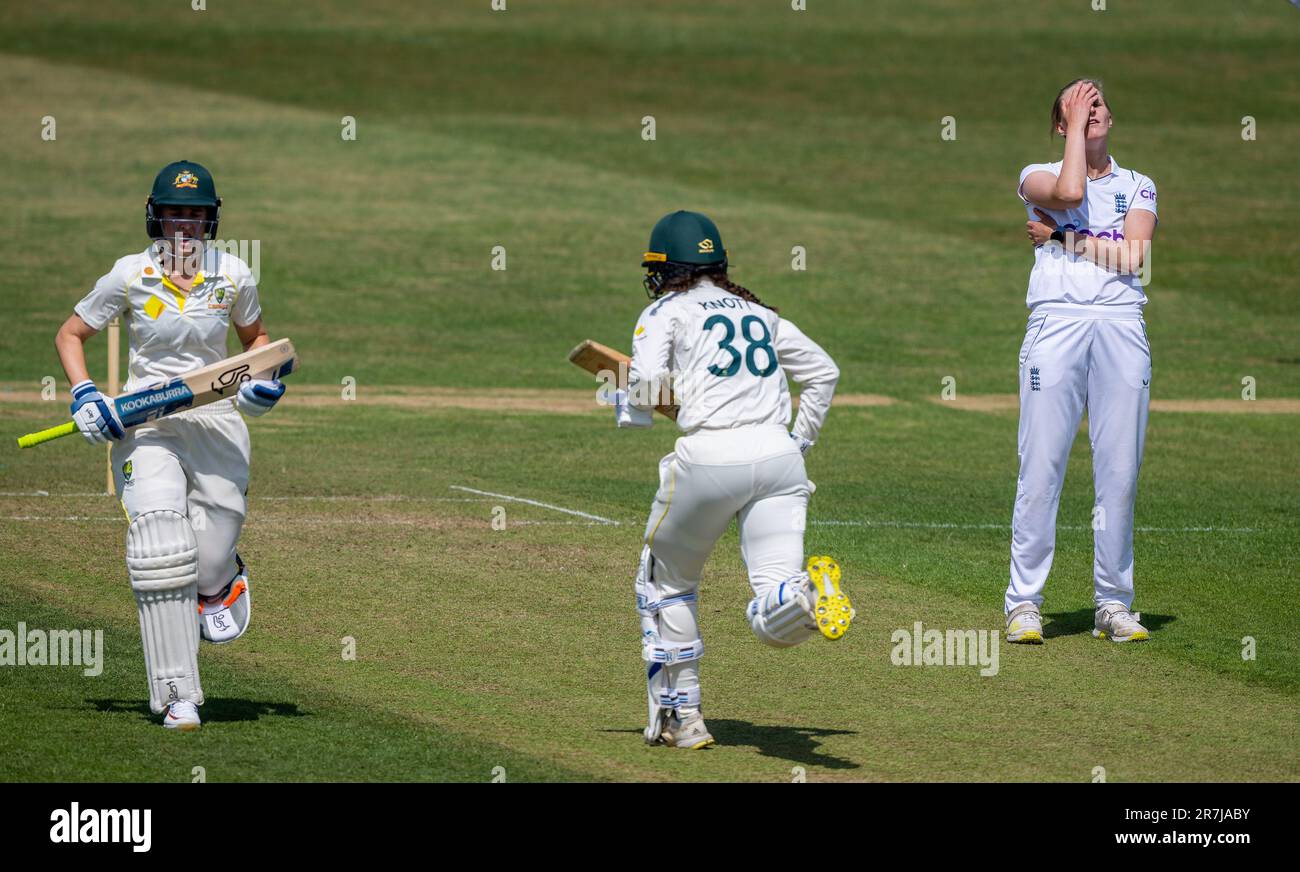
(214, 710)
(1081, 621)
(795, 744)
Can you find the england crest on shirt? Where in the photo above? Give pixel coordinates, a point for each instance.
(1121, 204)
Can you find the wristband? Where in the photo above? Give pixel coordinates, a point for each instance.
(1058, 235)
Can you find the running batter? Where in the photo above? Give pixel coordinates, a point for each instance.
(182, 478)
(1091, 222)
(727, 356)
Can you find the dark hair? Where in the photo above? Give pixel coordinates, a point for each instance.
(684, 281)
(1058, 115)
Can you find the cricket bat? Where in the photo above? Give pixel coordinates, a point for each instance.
(596, 358)
(201, 386)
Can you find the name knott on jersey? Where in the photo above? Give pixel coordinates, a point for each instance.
(731, 301)
(667, 390)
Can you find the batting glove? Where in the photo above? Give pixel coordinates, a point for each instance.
(628, 415)
(803, 443)
(257, 396)
(94, 414)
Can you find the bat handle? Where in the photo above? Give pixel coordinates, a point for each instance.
(46, 435)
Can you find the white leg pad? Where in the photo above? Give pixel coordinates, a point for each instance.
(782, 617)
(667, 689)
(162, 561)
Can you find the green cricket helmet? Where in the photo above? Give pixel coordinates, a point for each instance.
(183, 183)
(682, 243)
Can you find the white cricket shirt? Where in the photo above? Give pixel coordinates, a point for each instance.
(728, 359)
(172, 332)
(1061, 277)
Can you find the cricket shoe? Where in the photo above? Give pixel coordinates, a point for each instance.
(831, 609)
(182, 715)
(1025, 625)
(1118, 624)
(224, 617)
(689, 733)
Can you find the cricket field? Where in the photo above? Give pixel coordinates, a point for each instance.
(443, 524)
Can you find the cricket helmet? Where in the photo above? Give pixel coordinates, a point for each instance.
(682, 243)
(183, 183)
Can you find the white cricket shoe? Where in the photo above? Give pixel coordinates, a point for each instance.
(1025, 625)
(689, 733)
(1118, 624)
(224, 616)
(182, 715)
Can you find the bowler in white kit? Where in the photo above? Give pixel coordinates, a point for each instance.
(1091, 222)
(727, 356)
(182, 478)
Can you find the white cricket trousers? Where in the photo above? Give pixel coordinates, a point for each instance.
(1074, 357)
(195, 463)
(753, 474)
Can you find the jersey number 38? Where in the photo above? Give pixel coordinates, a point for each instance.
(749, 325)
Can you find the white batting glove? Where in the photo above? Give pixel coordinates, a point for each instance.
(94, 414)
(257, 396)
(803, 443)
(628, 415)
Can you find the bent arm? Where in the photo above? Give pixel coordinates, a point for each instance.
(252, 335)
(1067, 189)
(813, 369)
(1041, 188)
(1125, 256)
(70, 343)
(649, 377)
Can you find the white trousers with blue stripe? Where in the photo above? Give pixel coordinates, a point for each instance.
(1076, 358)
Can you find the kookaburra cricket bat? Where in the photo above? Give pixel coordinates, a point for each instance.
(201, 386)
(596, 358)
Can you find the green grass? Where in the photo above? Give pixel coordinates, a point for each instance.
(262, 723)
(518, 648)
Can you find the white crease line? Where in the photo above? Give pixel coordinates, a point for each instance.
(912, 525)
(536, 503)
(379, 498)
(41, 493)
(383, 498)
(64, 518)
(597, 519)
(253, 522)
(917, 525)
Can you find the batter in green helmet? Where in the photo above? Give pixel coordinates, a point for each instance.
(726, 358)
(182, 478)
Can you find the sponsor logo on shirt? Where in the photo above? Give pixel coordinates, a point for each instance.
(1100, 234)
(222, 299)
(1147, 194)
